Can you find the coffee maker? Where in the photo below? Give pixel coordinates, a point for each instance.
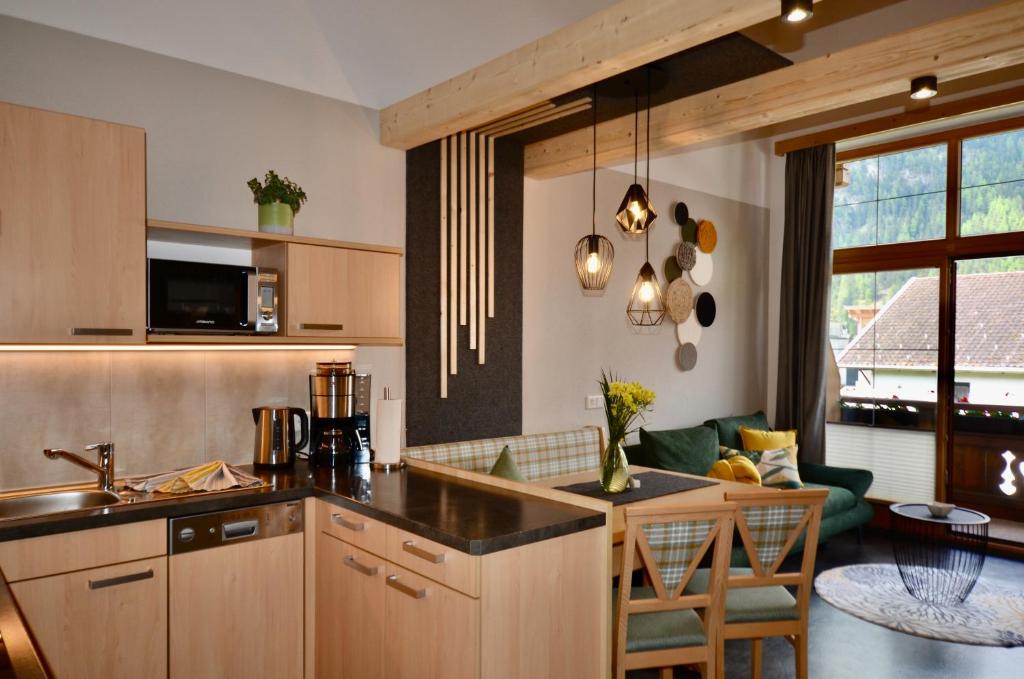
(339, 423)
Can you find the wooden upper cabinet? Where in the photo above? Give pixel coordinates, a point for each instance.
(72, 229)
(337, 292)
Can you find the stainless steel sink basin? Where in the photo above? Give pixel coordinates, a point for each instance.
(40, 504)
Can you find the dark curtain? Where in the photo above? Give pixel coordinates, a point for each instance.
(804, 301)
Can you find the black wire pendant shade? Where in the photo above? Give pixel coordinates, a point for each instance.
(594, 253)
(646, 304)
(636, 212)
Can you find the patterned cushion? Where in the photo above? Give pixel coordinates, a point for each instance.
(505, 467)
(778, 468)
(538, 456)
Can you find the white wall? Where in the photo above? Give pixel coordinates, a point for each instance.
(569, 337)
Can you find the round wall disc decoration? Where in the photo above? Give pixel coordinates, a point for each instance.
(702, 270)
(707, 236)
(682, 213)
(672, 270)
(705, 308)
(689, 229)
(686, 355)
(686, 256)
(679, 300)
(689, 331)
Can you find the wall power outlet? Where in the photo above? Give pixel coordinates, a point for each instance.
(595, 402)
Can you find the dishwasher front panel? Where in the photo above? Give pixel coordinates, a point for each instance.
(216, 529)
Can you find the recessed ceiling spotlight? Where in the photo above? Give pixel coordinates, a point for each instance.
(924, 87)
(795, 11)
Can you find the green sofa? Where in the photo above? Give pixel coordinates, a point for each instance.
(687, 450)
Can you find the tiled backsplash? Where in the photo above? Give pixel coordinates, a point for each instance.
(162, 410)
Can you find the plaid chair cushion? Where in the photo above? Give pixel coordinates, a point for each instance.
(674, 545)
(770, 526)
(538, 456)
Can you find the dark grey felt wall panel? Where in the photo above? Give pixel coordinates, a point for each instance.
(483, 400)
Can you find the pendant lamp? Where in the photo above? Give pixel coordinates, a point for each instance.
(636, 214)
(594, 253)
(646, 304)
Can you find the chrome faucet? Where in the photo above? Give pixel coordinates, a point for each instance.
(104, 466)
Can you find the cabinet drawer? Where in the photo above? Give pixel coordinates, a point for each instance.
(65, 552)
(353, 528)
(446, 565)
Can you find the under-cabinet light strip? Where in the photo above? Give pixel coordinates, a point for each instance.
(175, 347)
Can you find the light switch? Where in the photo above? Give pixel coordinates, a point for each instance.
(595, 402)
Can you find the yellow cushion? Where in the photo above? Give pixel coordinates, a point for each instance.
(738, 469)
(758, 440)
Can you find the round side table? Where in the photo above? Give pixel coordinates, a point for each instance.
(939, 559)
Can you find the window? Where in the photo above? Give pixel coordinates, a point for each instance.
(927, 317)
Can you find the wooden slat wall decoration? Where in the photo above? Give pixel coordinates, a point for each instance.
(472, 240)
(453, 261)
(444, 268)
(482, 253)
(490, 227)
(462, 228)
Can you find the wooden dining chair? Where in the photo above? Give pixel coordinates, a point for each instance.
(660, 626)
(758, 603)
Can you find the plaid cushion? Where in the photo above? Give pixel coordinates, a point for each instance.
(538, 456)
(674, 545)
(770, 526)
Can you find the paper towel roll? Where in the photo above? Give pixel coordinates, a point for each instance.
(388, 446)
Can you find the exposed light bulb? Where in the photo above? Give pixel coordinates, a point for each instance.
(635, 209)
(593, 263)
(796, 16)
(646, 293)
(924, 87)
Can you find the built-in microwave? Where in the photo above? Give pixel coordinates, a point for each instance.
(196, 297)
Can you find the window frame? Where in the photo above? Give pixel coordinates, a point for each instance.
(943, 254)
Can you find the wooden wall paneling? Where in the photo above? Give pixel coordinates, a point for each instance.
(443, 290)
(481, 268)
(462, 228)
(563, 111)
(471, 283)
(453, 278)
(490, 227)
(983, 40)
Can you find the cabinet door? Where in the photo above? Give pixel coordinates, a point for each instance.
(350, 614)
(237, 610)
(335, 292)
(72, 229)
(433, 632)
(102, 622)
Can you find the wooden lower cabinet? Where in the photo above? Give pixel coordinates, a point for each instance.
(350, 623)
(107, 622)
(432, 632)
(227, 620)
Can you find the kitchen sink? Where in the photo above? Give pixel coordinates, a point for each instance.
(41, 504)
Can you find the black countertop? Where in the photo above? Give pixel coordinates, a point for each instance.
(473, 518)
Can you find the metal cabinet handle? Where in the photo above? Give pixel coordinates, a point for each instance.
(351, 562)
(321, 326)
(410, 546)
(121, 579)
(345, 523)
(102, 332)
(392, 581)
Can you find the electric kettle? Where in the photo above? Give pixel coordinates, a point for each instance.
(275, 435)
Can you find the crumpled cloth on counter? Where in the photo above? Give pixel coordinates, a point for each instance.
(216, 475)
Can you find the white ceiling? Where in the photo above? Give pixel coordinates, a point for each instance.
(371, 52)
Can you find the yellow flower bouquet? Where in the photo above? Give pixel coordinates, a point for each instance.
(624, 402)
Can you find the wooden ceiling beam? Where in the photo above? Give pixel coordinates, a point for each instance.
(626, 35)
(980, 41)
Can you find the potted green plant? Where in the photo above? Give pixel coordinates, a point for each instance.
(279, 200)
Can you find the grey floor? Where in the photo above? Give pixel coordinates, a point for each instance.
(845, 647)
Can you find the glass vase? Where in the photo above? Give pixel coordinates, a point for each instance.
(614, 468)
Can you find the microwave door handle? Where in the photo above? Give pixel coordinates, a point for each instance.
(252, 293)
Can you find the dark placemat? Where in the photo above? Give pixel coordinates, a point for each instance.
(652, 484)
